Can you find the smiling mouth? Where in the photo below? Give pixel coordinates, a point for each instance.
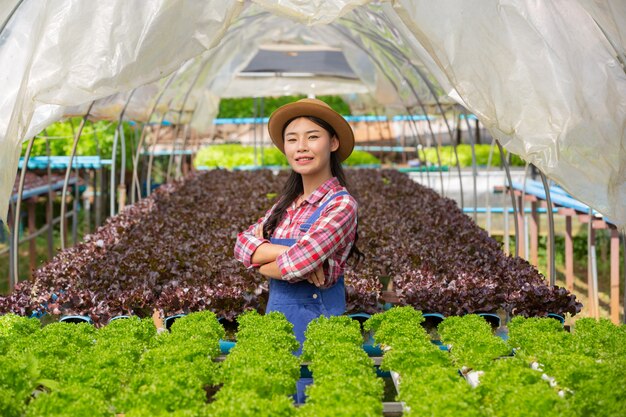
(304, 158)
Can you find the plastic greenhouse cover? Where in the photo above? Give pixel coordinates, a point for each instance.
(55, 54)
(212, 75)
(546, 83)
(544, 77)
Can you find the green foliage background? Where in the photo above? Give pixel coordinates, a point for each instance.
(96, 139)
(446, 154)
(231, 156)
(244, 107)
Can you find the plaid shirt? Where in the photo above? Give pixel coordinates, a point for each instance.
(328, 241)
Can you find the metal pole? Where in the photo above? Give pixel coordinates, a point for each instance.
(552, 267)
(112, 193)
(254, 129)
(32, 229)
(514, 205)
(50, 203)
(12, 265)
(8, 18)
(121, 188)
(432, 134)
(134, 178)
(487, 202)
(409, 112)
(592, 269)
(151, 150)
(64, 221)
(186, 133)
(474, 168)
(118, 128)
(134, 144)
(67, 175)
(95, 181)
(392, 48)
(178, 173)
(140, 144)
(392, 138)
(16, 221)
(122, 184)
(262, 131)
(522, 215)
(75, 208)
(180, 115)
(413, 125)
(171, 157)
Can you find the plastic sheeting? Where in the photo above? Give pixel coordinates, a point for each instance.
(545, 82)
(64, 53)
(214, 71)
(544, 77)
(311, 12)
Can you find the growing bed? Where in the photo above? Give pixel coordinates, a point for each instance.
(174, 251)
(131, 368)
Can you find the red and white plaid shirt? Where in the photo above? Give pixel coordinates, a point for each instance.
(328, 241)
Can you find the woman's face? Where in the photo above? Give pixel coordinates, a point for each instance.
(308, 147)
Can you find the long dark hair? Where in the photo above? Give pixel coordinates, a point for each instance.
(293, 188)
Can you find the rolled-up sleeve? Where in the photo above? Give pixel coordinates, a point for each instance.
(247, 242)
(333, 230)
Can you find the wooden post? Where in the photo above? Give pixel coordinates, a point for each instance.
(185, 165)
(569, 254)
(614, 276)
(534, 232)
(32, 244)
(121, 197)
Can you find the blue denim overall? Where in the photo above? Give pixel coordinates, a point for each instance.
(301, 302)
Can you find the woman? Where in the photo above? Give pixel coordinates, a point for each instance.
(303, 242)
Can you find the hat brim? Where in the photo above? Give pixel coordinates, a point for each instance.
(283, 114)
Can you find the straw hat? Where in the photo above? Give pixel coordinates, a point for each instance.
(316, 108)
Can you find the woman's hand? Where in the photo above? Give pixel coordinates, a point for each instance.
(317, 277)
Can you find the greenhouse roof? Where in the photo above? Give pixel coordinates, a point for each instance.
(546, 78)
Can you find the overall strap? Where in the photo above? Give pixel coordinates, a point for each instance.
(304, 227)
(283, 241)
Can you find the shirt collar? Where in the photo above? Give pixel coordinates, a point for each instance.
(323, 189)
